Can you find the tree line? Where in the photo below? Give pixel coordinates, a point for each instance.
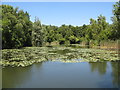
(18, 31)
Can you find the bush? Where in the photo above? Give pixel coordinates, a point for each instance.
(62, 41)
(67, 42)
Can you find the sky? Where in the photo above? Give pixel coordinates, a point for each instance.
(69, 13)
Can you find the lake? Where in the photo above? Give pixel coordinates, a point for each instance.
(62, 75)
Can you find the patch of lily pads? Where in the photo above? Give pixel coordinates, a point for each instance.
(29, 55)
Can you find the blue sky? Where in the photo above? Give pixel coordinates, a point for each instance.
(58, 13)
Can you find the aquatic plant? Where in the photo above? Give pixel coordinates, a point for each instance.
(29, 55)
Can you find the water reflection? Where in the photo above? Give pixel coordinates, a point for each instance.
(14, 76)
(55, 74)
(62, 52)
(116, 73)
(100, 67)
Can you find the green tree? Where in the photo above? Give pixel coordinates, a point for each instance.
(116, 21)
(37, 35)
(16, 27)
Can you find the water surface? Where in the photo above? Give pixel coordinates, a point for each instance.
(62, 75)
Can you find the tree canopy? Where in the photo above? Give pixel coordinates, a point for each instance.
(16, 27)
(18, 31)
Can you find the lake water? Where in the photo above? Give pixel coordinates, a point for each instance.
(62, 75)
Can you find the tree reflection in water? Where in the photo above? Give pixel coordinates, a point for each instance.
(116, 73)
(100, 67)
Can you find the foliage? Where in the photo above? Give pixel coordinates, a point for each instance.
(37, 35)
(116, 21)
(18, 31)
(16, 27)
(62, 41)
